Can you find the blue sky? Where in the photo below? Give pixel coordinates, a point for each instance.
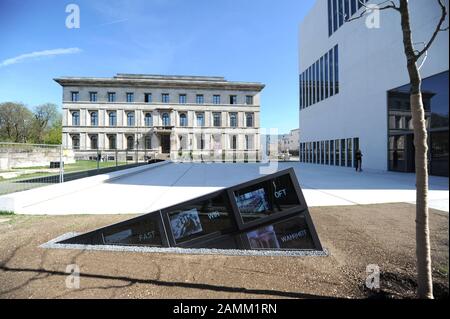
(243, 40)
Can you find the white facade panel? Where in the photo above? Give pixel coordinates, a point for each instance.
(371, 62)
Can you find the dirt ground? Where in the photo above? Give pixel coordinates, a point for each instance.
(355, 236)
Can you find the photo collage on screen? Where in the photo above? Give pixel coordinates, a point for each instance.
(266, 198)
(289, 234)
(196, 220)
(143, 232)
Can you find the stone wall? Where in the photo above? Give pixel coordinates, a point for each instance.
(32, 157)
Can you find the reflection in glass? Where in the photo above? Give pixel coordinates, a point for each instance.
(140, 233)
(289, 234)
(401, 136)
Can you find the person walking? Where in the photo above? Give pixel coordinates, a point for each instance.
(358, 157)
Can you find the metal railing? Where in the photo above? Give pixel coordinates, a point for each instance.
(27, 166)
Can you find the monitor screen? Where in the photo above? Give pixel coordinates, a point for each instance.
(266, 198)
(200, 219)
(253, 202)
(185, 224)
(290, 234)
(143, 232)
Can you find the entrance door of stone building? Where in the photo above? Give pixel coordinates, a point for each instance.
(165, 143)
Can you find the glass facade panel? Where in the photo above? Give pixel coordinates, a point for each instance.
(340, 13)
(330, 18)
(335, 15)
(401, 135)
(354, 6)
(300, 90)
(337, 152)
(355, 148)
(332, 153)
(322, 79)
(349, 152)
(313, 83)
(346, 9)
(317, 84)
(331, 71)
(336, 69)
(322, 152)
(343, 152)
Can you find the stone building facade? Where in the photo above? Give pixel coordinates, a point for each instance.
(133, 117)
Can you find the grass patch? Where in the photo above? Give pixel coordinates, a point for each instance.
(6, 213)
(78, 166)
(443, 269)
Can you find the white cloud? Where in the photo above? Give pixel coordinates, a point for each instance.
(46, 53)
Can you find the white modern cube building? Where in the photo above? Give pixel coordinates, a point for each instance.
(354, 86)
(154, 116)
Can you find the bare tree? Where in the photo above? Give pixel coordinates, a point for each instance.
(413, 56)
(44, 117)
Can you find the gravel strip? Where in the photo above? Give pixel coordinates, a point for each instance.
(53, 244)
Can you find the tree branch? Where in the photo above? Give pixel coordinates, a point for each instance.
(438, 29)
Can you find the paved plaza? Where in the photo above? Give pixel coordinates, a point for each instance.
(172, 183)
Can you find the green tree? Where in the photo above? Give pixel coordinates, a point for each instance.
(54, 134)
(16, 122)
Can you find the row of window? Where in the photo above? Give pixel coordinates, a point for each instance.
(339, 152)
(339, 11)
(165, 117)
(165, 98)
(131, 144)
(321, 80)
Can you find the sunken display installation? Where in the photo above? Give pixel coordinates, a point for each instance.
(269, 213)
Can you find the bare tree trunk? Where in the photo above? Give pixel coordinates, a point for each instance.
(424, 271)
